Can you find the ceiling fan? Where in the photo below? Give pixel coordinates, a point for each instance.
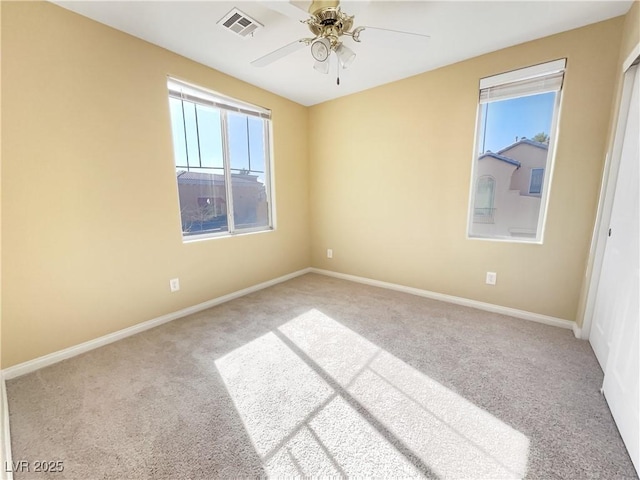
(329, 24)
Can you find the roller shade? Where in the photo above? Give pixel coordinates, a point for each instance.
(547, 77)
(184, 91)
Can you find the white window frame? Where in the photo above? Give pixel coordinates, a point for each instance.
(497, 87)
(203, 96)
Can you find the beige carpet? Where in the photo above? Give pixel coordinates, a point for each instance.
(323, 377)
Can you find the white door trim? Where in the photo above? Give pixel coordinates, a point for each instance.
(605, 203)
(631, 59)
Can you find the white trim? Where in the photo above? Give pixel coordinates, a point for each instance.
(5, 434)
(213, 236)
(535, 70)
(50, 359)
(524, 73)
(577, 331)
(633, 56)
(473, 181)
(598, 242)
(269, 180)
(605, 201)
(226, 165)
(549, 168)
(489, 307)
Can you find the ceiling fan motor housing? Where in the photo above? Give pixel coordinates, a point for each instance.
(330, 22)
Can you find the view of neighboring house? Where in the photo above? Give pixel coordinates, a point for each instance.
(508, 190)
(203, 202)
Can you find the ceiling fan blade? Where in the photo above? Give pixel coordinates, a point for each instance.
(420, 35)
(279, 53)
(296, 10)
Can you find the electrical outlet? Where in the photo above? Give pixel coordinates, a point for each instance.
(491, 278)
(329, 253)
(174, 284)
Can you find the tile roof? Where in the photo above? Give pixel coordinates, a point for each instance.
(500, 157)
(525, 141)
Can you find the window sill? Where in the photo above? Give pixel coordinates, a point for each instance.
(214, 236)
(530, 241)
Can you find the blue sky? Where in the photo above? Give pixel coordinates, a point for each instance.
(246, 139)
(516, 117)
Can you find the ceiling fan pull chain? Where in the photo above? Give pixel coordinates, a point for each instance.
(338, 75)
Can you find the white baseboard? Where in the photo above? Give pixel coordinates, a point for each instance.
(5, 435)
(50, 359)
(577, 331)
(513, 312)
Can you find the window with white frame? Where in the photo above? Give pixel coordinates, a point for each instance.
(222, 161)
(535, 185)
(513, 160)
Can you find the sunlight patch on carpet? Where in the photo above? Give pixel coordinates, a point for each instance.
(297, 423)
(301, 425)
(451, 435)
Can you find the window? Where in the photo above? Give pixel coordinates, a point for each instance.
(483, 204)
(222, 160)
(537, 175)
(517, 126)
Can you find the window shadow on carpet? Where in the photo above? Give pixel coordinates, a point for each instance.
(318, 399)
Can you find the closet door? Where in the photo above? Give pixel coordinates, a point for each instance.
(621, 268)
(614, 263)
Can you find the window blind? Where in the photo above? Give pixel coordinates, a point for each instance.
(184, 91)
(542, 78)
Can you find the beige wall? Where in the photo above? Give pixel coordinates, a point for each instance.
(86, 135)
(390, 170)
(631, 31)
(1, 421)
(90, 217)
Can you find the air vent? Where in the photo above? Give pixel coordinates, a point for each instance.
(239, 23)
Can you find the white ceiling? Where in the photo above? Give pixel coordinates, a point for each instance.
(458, 30)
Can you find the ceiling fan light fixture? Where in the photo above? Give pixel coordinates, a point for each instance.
(346, 55)
(322, 67)
(329, 26)
(321, 49)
